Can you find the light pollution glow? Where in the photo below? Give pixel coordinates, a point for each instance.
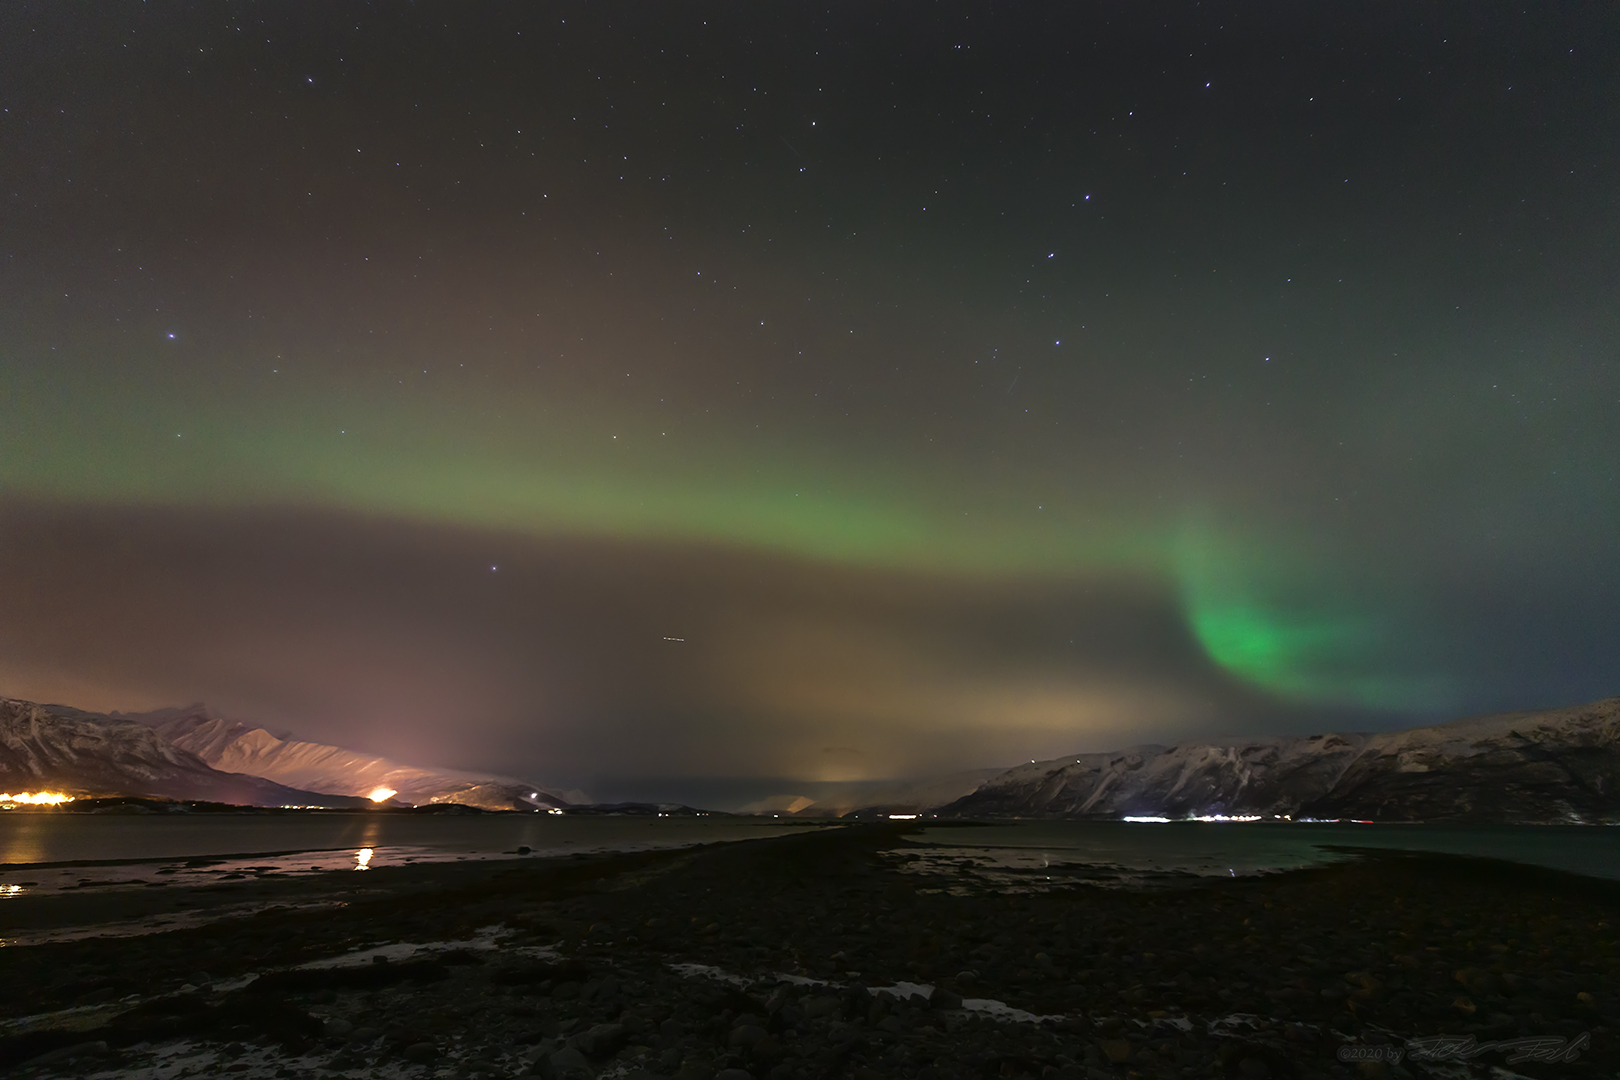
(38, 798)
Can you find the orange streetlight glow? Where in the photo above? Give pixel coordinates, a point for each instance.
(38, 798)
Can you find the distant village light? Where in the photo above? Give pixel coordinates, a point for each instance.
(37, 798)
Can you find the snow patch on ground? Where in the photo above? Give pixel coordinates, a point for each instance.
(709, 971)
(185, 1058)
(173, 1061)
(484, 939)
(989, 1007)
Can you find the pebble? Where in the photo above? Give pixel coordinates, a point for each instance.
(1254, 1069)
(599, 1040)
(1117, 1051)
(567, 1064)
(420, 1052)
(818, 1008)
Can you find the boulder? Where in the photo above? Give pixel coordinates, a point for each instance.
(599, 1041)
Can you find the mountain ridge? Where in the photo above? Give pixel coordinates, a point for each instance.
(237, 747)
(57, 747)
(1557, 765)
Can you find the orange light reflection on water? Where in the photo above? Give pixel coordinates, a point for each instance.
(24, 838)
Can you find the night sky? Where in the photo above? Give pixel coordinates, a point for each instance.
(651, 396)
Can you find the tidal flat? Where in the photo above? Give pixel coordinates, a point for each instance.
(821, 955)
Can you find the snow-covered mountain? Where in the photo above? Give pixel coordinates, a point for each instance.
(236, 747)
(56, 748)
(1561, 765)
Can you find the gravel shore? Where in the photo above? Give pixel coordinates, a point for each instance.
(814, 955)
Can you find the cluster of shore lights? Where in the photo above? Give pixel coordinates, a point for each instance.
(1249, 817)
(37, 798)
(1207, 817)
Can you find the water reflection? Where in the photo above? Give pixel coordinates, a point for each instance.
(23, 844)
(195, 848)
(362, 859)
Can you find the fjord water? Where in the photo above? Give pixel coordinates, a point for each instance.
(1137, 850)
(45, 850)
(54, 850)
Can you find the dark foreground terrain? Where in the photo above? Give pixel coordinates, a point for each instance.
(1346, 970)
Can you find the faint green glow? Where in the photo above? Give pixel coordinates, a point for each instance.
(1258, 607)
(576, 471)
(1263, 615)
(1280, 652)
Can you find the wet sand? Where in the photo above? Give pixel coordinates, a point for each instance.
(759, 958)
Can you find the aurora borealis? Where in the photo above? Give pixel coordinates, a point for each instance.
(618, 392)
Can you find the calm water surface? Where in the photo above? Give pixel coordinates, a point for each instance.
(128, 851)
(1128, 850)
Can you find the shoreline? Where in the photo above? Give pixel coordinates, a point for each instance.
(1264, 976)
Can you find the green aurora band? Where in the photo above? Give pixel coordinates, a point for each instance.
(1248, 601)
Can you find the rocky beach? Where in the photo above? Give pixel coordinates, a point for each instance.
(818, 955)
